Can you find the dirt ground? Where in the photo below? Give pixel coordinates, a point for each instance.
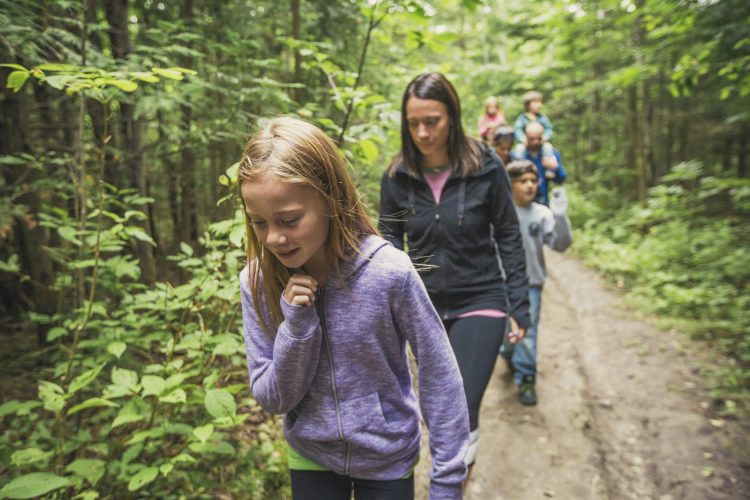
(621, 411)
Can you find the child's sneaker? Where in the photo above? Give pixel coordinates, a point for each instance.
(527, 390)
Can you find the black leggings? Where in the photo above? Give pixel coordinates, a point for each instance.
(475, 341)
(317, 485)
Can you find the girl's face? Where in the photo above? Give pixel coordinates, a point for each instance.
(429, 125)
(291, 220)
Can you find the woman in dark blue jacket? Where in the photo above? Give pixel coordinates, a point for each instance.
(447, 199)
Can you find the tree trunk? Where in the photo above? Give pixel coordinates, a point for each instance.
(188, 229)
(742, 151)
(296, 35)
(631, 128)
(29, 237)
(130, 131)
(644, 149)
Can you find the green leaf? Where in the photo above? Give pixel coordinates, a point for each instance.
(187, 71)
(91, 470)
(116, 349)
(15, 160)
(140, 234)
(204, 432)
(124, 85)
(153, 385)
(17, 79)
(220, 448)
(84, 379)
(165, 469)
(125, 378)
(13, 66)
(92, 403)
(87, 495)
(68, 233)
(141, 436)
(177, 396)
(220, 403)
(20, 408)
(55, 333)
(145, 76)
(168, 73)
(183, 458)
(186, 249)
(59, 82)
(127, 419)
(29, 456)
(369, 150)
(143, 477)
(233, 171)
(58, 67)
(52, 396)
(33, 485)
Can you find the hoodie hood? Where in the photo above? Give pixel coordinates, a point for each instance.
(370, 245)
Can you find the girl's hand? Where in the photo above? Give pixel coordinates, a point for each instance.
(300, 290)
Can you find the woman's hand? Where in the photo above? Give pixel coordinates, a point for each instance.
(300, 290)
(516, 333)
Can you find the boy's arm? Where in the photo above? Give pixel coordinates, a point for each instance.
(560, 237)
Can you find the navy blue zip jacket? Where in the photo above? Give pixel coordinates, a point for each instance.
(455, 240)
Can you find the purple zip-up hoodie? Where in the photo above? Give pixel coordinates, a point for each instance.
(339, 372)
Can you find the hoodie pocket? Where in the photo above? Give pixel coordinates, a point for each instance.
(366, 426)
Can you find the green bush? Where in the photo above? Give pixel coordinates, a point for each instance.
(147, 393)
(683, 254)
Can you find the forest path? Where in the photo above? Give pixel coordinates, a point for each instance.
(621, 414)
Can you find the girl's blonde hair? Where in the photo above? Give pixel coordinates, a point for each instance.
(298, 152)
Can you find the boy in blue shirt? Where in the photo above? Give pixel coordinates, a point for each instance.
(540, 225)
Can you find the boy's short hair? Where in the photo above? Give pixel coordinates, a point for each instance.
(503, 133)
(518, 168)
(531, 95)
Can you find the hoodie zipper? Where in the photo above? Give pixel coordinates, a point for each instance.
(321, 312)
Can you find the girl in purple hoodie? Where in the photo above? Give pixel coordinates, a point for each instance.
(328, 307)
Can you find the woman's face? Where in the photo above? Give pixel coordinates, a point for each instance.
(429, 126)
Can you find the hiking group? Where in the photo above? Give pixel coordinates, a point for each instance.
(331, 301)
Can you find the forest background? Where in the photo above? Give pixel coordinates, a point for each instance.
(121, 239)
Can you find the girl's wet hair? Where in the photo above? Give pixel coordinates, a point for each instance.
(295, 151)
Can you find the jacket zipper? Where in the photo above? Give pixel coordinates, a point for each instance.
(333, 382)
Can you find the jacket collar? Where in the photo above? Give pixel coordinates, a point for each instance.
(490, 162)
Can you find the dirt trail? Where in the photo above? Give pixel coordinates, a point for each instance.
(619, 413)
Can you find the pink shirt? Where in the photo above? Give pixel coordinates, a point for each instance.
(436, 181)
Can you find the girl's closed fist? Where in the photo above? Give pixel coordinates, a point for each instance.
(300, 290)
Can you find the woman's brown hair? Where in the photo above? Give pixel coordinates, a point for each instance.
(464, 153)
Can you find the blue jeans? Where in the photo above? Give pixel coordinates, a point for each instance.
(524, 352)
